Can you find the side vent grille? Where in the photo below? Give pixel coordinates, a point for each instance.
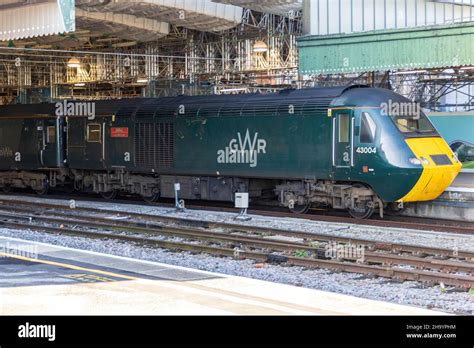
(166, 144)
(154, 145)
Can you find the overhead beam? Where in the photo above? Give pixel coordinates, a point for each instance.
(456, 2)
(123, 25)
(202, 15)
(418, 48)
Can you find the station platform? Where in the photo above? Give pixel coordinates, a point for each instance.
(43, 279)
(465, 179)
(456, 203)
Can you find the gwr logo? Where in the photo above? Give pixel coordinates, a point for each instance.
(243, 151)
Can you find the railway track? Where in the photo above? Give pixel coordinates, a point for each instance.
(391, 221)
(390, 260)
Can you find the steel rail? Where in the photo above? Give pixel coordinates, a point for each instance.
(395, 247)
(251, 241)
(384, 259)
(436, 225)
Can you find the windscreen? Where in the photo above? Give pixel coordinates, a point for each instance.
(413, 124)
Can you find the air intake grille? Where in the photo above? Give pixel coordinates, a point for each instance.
(441, 160)
(154, 145)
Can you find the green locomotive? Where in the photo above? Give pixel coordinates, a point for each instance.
(343, 147)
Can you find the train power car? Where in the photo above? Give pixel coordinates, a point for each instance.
(318, 146)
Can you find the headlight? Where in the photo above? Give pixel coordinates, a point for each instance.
(424, 160)
(414, 161)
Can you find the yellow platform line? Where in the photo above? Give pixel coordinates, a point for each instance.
(65, 265)
(255, 301)
(209, 291)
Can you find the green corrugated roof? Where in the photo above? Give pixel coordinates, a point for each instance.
(427, 47)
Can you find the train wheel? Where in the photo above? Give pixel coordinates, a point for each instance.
(300, 208)
(7, 189)
(69, 188)
(362, 214)
(364, 209)
(43, 190)
(151, 199)
(109, 195)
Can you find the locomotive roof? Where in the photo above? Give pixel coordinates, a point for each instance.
(314, 100)
(102, 107)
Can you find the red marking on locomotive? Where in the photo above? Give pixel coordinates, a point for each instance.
(119, 132)
(365, 169)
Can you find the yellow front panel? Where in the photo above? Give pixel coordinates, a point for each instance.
(435, 178)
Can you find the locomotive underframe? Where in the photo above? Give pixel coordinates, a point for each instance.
(338, 195)
(347, 195)
(37, 181)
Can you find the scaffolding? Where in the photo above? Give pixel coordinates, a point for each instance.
(443, 90)
(259, 55)
(185, 62)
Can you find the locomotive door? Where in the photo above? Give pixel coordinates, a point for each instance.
(95, 144)
(343, 139)
(49, 142)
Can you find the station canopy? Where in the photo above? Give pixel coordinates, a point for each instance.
(382, 50)
(143, 20)
(21, 19)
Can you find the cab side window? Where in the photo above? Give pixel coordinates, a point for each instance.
(51, 134)
(94, 133)
(367, 128)
(344, 127)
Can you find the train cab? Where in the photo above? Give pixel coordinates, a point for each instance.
(386, 141)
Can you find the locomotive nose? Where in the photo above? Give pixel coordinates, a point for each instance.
(440, 167)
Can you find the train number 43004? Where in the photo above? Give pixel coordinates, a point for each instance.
(366, 149)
